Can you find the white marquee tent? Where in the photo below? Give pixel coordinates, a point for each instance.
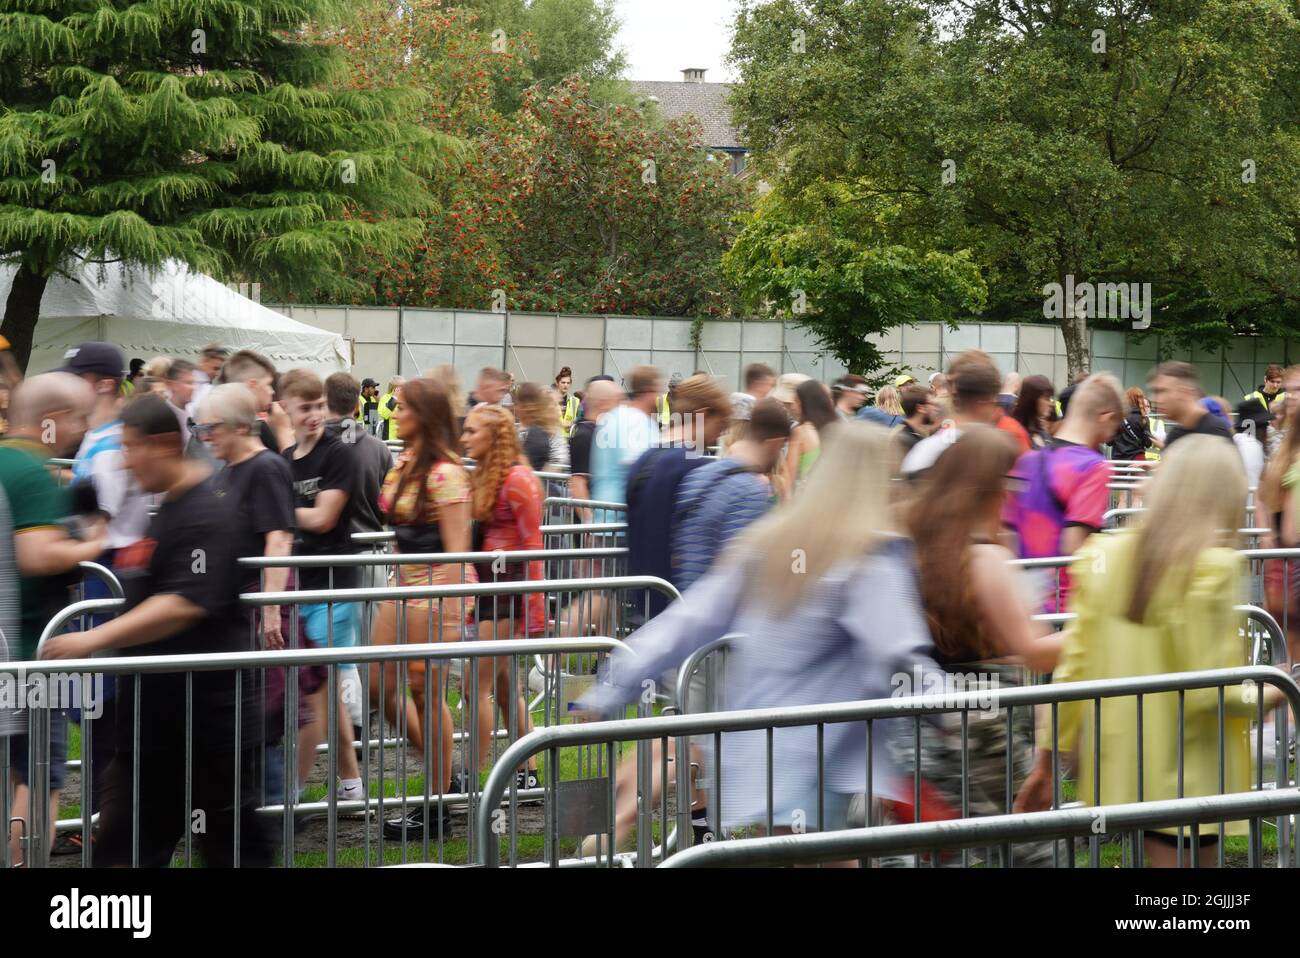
(167, 312)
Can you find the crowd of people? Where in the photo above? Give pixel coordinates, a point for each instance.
(849, 536)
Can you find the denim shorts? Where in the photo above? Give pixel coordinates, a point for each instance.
(316, 624)
(58, 751)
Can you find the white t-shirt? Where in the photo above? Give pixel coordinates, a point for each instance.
(201, 386)
(1252, 457)
(100, 460)
(927, 452)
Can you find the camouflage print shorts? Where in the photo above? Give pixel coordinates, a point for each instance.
(998, 761)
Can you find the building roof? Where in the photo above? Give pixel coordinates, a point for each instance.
(707, 101)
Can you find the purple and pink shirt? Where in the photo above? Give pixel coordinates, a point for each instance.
(1060, 486)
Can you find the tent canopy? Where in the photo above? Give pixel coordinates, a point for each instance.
(168, 311)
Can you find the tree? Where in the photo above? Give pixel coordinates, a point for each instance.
(608, 212)
(822, 256)
(554, 40)
(1085, 142)
(221, 135)
(572, 202)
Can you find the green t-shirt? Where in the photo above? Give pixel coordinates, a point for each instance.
(36, 502)
(1291, 482)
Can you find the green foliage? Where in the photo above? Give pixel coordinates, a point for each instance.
(549, 203)
(552, 40)
(1110, 142)
(219, 134)
(823, 259)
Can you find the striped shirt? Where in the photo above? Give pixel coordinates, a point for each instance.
(858, 628)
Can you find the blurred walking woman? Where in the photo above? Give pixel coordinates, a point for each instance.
(979, 618)
(814, 412)
(426, 500)
(507, 502)
(1153, 600)
(824, 593)
(1033, 409)
(1276, 507)
(545, 440)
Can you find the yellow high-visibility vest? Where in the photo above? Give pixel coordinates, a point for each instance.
(664, 413)
(386, 414)
(1153, 452)
(1263, 401)
(570, 415)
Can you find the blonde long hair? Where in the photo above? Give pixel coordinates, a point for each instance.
(1194, 503)
(536, 405)
(841, 514)
(447, 376)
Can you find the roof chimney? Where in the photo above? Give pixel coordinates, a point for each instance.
(694, 74)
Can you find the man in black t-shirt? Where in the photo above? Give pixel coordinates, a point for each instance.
(324, 477)
(1176, 391)
(181, 585)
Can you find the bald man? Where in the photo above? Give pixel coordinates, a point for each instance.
(48, 416)
(600, 397)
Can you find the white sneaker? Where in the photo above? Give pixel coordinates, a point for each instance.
(345, 794)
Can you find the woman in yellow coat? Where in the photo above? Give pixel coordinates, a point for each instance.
(1160, 599)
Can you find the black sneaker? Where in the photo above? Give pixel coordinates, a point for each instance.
(527, 778)
(701, 830)
(459, 782)
(411, 825)
(68, 843)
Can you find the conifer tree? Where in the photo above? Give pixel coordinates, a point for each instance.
(221, 133)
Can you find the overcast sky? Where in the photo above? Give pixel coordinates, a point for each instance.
(663, 37)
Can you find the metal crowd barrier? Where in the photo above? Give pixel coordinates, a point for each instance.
(553, 699)
(382, 539)
(560, 510)
(290, 812)
(662, 729)
(58, 467)
(1280, 605)
(558, 564)
(1283, 602)
(1057, 825)
(104, 575)
(1123, 492)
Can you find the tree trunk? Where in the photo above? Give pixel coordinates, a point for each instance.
(21, 312)
(1077, 358)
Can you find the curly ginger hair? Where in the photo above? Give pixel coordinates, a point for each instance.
(504, 454)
